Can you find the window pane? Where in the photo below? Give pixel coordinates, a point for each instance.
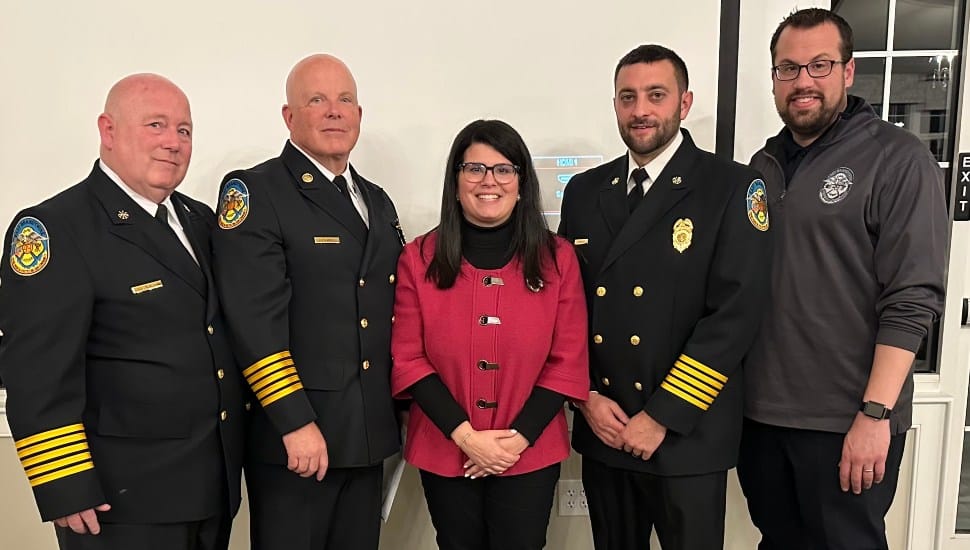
(869, 20)
(926, 25)
(870, 76)
(921, 100)
(927, 356)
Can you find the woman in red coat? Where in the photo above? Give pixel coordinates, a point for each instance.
(490, 340)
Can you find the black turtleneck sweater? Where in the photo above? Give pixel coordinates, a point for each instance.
(485, 248)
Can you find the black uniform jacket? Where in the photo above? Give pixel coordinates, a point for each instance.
(122, 387)
(309, 292)
(675, 294)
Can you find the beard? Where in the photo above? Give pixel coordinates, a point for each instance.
(664, 131)
(808, 122)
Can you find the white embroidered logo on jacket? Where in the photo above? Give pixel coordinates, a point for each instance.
(836, 186)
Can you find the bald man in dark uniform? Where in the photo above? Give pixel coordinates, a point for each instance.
(306, 253)
(123, 397)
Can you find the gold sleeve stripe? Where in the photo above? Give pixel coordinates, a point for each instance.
(275, 377)
(58, 453)
(694, 373)
(63, 473)
(265, 361)
(58, 464)
(47, 445)
(703, 368)
(268, 370)
(276, 386)
(675, 373)
(281, 394)
(49, 434)
(686, 397)
(689, 389)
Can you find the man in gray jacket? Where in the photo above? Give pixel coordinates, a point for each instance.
(860, 223)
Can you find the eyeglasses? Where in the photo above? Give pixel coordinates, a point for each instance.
(815, 69)
(475, 172)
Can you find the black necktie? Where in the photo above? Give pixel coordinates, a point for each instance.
(636, 194)
(341, 184)
(161, 216)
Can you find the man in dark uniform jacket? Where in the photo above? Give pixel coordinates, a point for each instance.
(123, 396)
(674, 249)
(305, 257)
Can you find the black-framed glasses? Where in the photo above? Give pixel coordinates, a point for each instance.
(475, 172)
(816, 69)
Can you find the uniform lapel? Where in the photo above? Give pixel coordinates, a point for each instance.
(612, 196)
(669, 188)
(375, 213)
(198, 232)
(131, 223)
(322, 192)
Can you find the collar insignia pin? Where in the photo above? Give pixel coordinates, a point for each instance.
(676, 180)
(307, 177)
(122, 215)
(615, 181)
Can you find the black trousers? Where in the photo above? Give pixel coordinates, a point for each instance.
(289, 512)
(791, 480)
(207, 534)
(625, 506)
(493, 512)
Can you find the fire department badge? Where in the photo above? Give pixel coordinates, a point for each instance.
(234, 204)
(30, 247)
(836, 186)
(683, 233)
(757, 203)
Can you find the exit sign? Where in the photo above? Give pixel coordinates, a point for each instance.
(961, 204)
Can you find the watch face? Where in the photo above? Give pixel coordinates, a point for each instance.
(874, 410)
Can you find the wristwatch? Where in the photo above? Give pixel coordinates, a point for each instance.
(874, 409)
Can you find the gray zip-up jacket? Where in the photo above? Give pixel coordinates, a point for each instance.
(861, 235)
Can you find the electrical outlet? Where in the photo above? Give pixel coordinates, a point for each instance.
(572, 498)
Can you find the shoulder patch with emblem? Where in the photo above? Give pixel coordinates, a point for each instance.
(836, 185)
(30, 247)
(234, 204)
(757, 205)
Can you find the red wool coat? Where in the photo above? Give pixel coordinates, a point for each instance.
(536, 338)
